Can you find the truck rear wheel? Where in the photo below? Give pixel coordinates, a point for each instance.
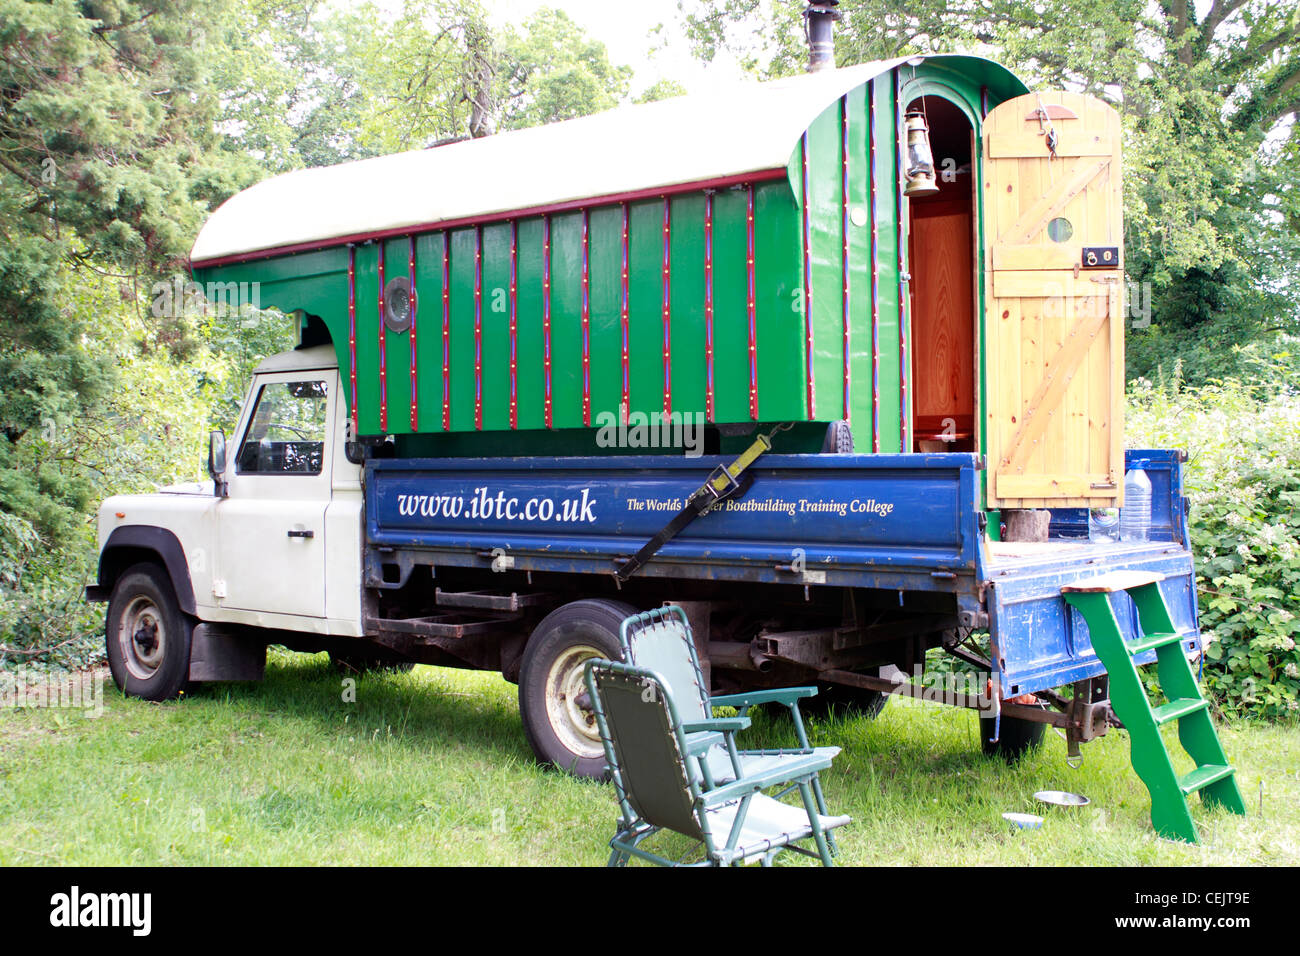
(147, 636)
(552, 693)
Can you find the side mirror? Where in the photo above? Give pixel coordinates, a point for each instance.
(217, 463)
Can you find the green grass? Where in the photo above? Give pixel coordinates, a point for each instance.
(432, 768)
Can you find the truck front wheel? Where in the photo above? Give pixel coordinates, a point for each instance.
(558, 720)
(147, 635)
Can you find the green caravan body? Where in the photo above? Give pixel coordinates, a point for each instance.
(652, 259)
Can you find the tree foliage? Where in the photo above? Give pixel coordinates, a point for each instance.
(1243, 485)
(108, 162)
(122, 124)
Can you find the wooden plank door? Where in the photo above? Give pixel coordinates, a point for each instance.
(1053, 322)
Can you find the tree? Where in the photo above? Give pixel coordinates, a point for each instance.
(108, 161)
(553, 71)
(287, 76)
(662, 89)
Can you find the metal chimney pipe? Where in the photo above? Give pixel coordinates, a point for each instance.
(819, 28)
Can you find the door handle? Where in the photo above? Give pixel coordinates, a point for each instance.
(301, 534)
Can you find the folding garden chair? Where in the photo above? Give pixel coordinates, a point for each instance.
(648, 747)
(661, 641)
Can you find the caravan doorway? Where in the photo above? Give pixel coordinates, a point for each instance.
(942, 243)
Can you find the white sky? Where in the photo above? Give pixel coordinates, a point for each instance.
(624, 27)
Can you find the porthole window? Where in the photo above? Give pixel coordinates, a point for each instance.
(1060, 230)
(397, 304)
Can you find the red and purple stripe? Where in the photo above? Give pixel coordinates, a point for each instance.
(844, 251)
(383, 351)
(751, 303)
(625, 408)
(352, 333)
(446, 331)
(900, 231)
(805, 192)
(586, 318)
(875, 270)
(546, 315)
(514, 324)
(478, 328)
(415, 384)
(667, 313)
(708, 305)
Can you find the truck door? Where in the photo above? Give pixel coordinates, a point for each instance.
(1053, 320)
(271, 528)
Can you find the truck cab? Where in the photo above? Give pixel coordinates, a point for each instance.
(272, 541)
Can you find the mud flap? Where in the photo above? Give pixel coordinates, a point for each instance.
(222, 655)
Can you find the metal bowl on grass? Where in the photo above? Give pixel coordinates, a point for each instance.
(1062, 798)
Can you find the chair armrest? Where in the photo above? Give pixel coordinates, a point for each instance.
(786, 696)
(795, 771)
(789, 696)
(724, 725)
(698, 743)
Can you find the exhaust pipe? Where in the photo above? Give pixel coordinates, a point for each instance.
(819, 28)
(738, 656)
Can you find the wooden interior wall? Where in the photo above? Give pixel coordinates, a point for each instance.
(943, 313)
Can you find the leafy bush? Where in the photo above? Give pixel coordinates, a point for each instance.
(149, 430)
(44, 617)
(1243, 482)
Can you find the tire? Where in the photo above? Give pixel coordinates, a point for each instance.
(359, 662)
(147, 636)
(839, 439)
(845, 700)
(560, 732)
(1016, 738)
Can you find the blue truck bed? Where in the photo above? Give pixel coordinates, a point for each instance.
(906, 523)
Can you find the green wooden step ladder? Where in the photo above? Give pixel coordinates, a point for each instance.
(1213, 777)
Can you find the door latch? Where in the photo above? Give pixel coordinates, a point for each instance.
(1100, 257)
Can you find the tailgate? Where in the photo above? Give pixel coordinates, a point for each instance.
(1039, 642)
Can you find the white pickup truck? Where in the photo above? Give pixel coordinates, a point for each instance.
(386, 557)
(272, 542)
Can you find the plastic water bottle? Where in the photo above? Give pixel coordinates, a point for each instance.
(1103, 525)
(1135, 516)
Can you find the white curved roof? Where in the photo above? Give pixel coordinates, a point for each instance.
(689, 139)
(296, 360)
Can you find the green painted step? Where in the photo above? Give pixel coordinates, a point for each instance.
(1152, 641)
(1213, 778)
(1202, 777)
(1178, 708)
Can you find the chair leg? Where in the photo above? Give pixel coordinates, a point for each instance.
(821, 808)
(819, 837)
(618, 856)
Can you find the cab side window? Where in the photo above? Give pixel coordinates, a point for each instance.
(286, 433)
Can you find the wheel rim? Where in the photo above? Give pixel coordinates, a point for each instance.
(142, 638)
(574, 725)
